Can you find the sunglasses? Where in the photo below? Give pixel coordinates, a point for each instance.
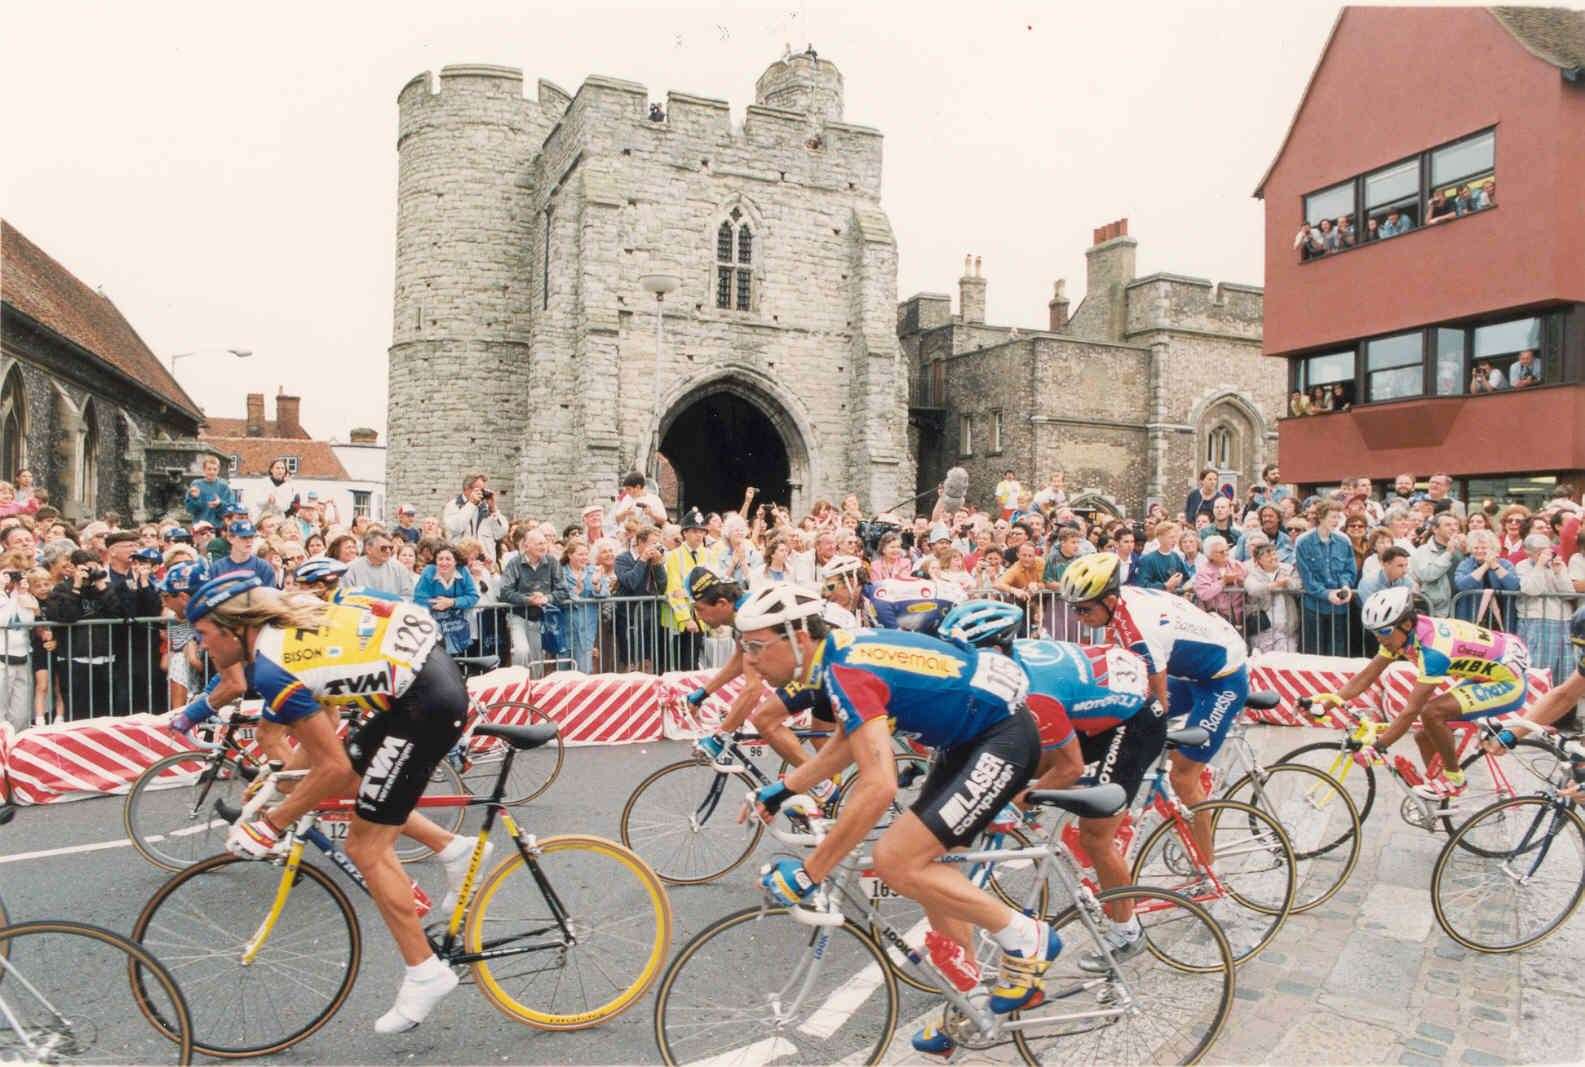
(1385, 632)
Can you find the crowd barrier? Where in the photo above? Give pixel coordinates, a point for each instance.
(76, 760)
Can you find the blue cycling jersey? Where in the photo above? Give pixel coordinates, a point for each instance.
(939, 693)
(1097, 688)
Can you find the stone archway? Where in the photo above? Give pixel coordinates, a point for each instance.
(731, 432)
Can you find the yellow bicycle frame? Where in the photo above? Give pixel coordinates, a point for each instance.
(288, 878)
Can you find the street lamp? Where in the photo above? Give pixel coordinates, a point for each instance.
(660, 285)
(240, 353)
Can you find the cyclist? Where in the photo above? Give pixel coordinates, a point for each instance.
(1195, 661)
(185, 668)
(715, 602)
(842, 583)
(1553, 704)
(320, 576)
(969, 708)
(1100, 693)
(1489, 668)
(303, 655)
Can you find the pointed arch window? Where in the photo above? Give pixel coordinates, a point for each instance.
(88, 459)
(734, 259)
(13, 427)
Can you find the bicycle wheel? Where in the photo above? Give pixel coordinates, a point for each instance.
(1320, 820)
(200, 923)
(616, 910)
(683, 821)
(62, 1001)
(169, 814)
(911, 772)
(1175, 1012)
(1332, 758)
(1490, 779)
(1253, 885)
(757, 986)
(532, 770)
(1511, 875)
(1016, 883)
(444, 782)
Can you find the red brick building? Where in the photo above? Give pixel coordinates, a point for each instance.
(1451, 320)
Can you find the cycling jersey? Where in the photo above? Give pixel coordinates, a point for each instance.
(839, 616)
(1174, 636)
(1076, 688)
(362, 656)
(938, 693)
(1489, 666)
(911, 604)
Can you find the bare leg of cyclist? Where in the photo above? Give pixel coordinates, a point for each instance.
(1185, 775)
(905, 859)
(1434, 717)
(1099, 839)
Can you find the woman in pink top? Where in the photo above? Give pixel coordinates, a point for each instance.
(10, 505)
(1219, 581)
(891, 561)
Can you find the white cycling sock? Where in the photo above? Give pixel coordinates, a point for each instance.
(425, 986)
(1022, 935)
(430, 968)
(1127, 930)
(456, 848)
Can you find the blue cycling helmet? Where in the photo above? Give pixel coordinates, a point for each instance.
(983, 622)
(183, 577)
(216, 591)
(319, 569)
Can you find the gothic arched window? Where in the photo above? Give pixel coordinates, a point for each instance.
(13, 427)
(1221, 448)
(88, 458)
(734, 259)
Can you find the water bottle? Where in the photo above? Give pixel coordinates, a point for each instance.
(1406, 770)
(421, 902)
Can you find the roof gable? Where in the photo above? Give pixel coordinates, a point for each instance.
(316, 460)
(42, 289)
(1554, 35)
(217, 426)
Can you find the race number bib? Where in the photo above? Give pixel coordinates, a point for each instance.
(1001, 677)
(1125, 672)
(407, 634)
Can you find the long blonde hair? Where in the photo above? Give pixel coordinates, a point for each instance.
(267, 607)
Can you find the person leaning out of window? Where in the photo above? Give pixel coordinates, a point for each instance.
(1526, 370)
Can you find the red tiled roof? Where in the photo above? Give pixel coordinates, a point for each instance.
(49, 294)
(315, 459)
(221, 427)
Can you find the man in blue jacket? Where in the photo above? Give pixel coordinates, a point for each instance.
(208, 497)
(1326, 569)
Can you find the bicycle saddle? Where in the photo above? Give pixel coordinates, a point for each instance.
(477, 663)
(1192, 737)
(524, 737)
(1087, 802)
(1264, 701)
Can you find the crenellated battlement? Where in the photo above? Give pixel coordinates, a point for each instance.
(1195, 303)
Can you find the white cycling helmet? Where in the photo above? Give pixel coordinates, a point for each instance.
(841, 567)
(1386, 608)
(778, 604)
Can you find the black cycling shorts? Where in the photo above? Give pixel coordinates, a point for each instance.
(397, 750)
(1128, 751)
(968, 785)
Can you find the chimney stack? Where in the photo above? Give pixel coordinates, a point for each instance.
(1058, 307)
(287, 409)
(971, 291)
(255, 420)
(1109, 269)
(362, 435)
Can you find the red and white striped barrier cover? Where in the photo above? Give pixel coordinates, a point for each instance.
(683, 723)
(1291, 676)
(69, 761)
(601, 709)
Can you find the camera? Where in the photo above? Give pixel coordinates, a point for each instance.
(13, 578)
(95, 575)
(488, 493)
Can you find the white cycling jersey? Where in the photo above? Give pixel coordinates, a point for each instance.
(1173, 635)
(839, 616)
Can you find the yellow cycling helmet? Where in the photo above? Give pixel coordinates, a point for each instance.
(1091, 577)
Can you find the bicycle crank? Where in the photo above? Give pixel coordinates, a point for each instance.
(1414, 812)
(963, 1030)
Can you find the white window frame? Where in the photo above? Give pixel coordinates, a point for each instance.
(966, 435)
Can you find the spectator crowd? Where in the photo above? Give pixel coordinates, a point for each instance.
(87, 631)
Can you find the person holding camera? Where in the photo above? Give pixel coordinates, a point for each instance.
(18, 610)
(474, 513)
(85, 654)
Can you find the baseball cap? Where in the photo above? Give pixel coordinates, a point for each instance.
(313, 496)
(407, 509)
(939, 532)
(149, 555)
(176, 533)
(203, 524)
(243, 529)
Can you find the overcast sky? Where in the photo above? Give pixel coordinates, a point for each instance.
(230, 179)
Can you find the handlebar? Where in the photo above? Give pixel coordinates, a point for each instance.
(806, 810)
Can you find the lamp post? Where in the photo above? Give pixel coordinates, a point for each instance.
(240, 353)
(660, 285)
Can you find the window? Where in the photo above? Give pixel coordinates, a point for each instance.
(966, 435)
(13, 420)
(88, 459)
(996, 431)
(1443, 183)
(1219, 448)
(550, 214)
(1449, 362)
(1394, 366)
(291, 465)
(1392, 200)
(360, 502)
(1325, 372)
(1462, 178)
(233, 466)
(1503, 345)
(734, 256)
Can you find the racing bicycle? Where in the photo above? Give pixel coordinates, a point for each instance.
(566, 932)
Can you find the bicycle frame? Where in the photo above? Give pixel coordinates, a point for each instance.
(1467, 731)
(735, 748)
(306, 831)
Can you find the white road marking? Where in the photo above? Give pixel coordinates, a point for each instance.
(845, 999)
(100, 846)
(759, 1052)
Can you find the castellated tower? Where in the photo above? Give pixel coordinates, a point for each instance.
(524, 342)
(462, 310)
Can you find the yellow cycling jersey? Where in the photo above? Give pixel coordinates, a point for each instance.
(365, 655)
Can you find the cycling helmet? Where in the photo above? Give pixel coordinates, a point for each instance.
(319, 569)
(982, 623)
(182, 578)
(705, 582)
(1576, 629)
(841, 567)
(1386, 608)
(1091, 577)
(779, 604)
(216, 591)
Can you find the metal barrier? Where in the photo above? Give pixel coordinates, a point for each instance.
(1540, 620)
(86, 669)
